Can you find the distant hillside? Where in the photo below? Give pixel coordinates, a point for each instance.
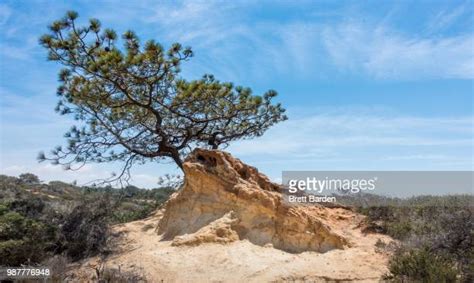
(131, 203)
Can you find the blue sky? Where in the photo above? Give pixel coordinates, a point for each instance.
(387, 85)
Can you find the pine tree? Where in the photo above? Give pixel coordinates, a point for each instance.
(133, 104)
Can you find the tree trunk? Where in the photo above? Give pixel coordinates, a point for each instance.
(171, 152)
(177, 160)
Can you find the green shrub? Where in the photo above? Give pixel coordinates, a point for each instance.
(28, 178)
(438, 229)
(64, 220)
(23, 240)
(3, 209)
(131, 212)
(85, 229)
(14, 253)
(31, 207)
(421, 265)
(399, 230)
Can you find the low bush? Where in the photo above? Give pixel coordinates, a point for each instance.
(40, 221)
(107, 274)
(23, 240)
(436, 238)
(132, 212)
(58, 268)
(421, 265)
(32, 208)
(85, 229)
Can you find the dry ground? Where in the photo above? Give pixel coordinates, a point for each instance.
(141, 250)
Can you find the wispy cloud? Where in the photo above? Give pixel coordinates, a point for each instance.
(373, 49)
(385, 54)
(445, 18)
(339, 135)
(235, 41)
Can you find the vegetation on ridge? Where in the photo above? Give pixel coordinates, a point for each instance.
(39, 221)
(435, 233)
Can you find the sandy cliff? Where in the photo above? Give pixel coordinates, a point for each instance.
(225, 200)
(230, 223)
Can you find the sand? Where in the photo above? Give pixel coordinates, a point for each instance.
(141, 250)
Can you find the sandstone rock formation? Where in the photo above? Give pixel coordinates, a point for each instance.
(229, 223)
(224, 200)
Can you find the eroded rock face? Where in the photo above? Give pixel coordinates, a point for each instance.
(225, 200)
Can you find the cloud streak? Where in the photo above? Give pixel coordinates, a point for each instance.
(335, 130)
(229, 40)
(374, 50)
(384, 54)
